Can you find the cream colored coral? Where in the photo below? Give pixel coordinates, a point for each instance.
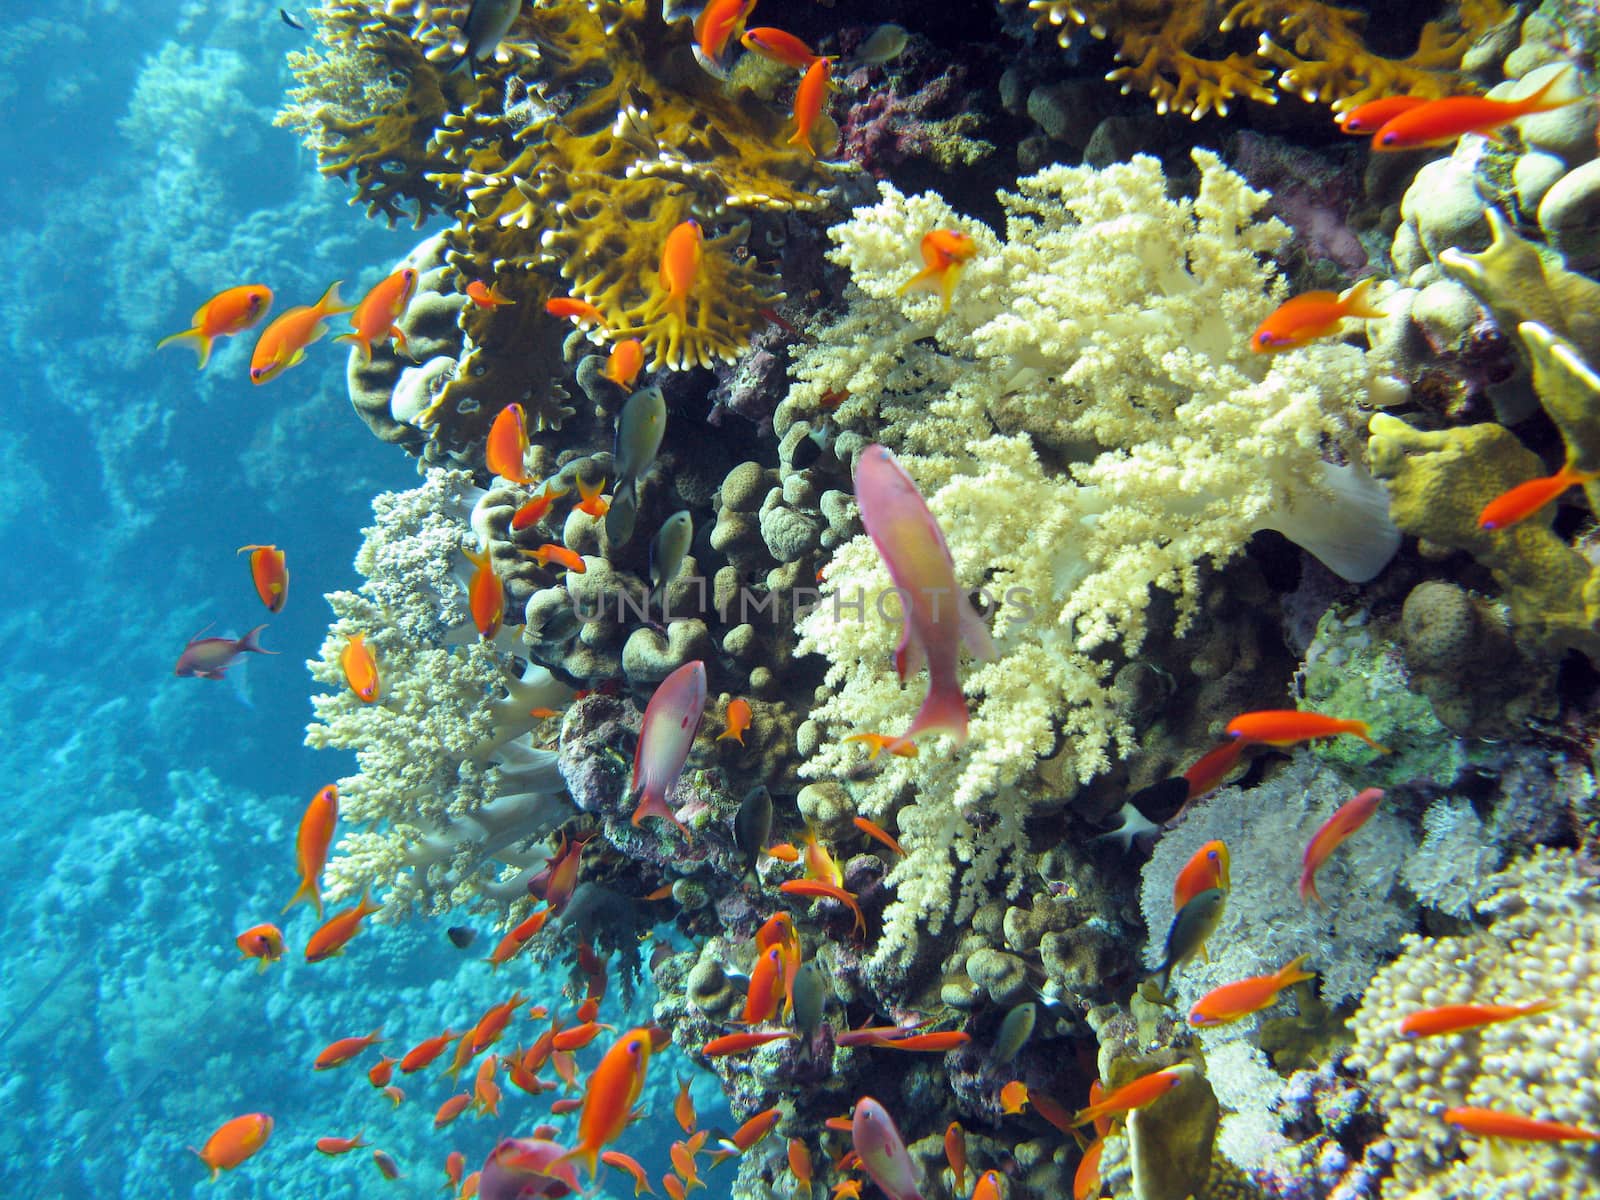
(454, 796)
(1087, 423)
(1544, 941)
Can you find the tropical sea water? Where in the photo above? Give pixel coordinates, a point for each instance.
(151, 818)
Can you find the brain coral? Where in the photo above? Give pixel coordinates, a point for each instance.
(451, 783)
(1544, 940)
(1090, 405)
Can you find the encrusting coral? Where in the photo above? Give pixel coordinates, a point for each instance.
(1440, 481)
(1318, 46)
(451, 784)
(1542, 942)
(1091, 406)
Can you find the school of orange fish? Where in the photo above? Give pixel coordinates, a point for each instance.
(914, 550)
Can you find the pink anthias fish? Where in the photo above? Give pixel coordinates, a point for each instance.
(883, 1151)
(665, 735)
(524, 1168)
(210, 657)
(938, 618)
(1351, 816)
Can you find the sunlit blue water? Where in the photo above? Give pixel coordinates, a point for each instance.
(151, 818)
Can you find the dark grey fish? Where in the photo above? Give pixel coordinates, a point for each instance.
(460, 936)
(639, 430)
(1195, 922)
(620, 517)
(487, 22)
(292, 21)
(1015, 1031)
(670, 547)
(810, 997)
(752, 827)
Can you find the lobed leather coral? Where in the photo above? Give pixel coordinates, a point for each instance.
(567, 164)
(1318, 46)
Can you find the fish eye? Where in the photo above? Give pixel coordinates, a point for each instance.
(1264, 338)
(1389, 139)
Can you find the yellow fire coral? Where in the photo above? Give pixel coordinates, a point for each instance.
(1543, 941)
(1318, 46)
(570, 160)
(1127, 434)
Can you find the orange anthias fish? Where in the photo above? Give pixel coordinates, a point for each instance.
(1351, 816)
(1285, 727)
(572, 308)
(765, 989)
(816, 889)
(780, 46)
(1522, 501)
(333, 936)
(683, 1108)
(680, 267)
(1458, 1018)
(1440, 122)
(486, 295)
(451, 1109)
(955, 1153)
(283, 343)
(507, 446)
(944, 253)
(535, 509)
(234, 1141)
(590, 500)
(800, 1164)
(225, 314)
(739, 1043)
(493, 1023)
(340, 1145)
(1211, 768)
(1142, 1091)
(616, 1158)
(756, 1128)
(374, 317)
(551, 553)
(718, 24)
(342, 1051)
(878, 833)
(424, 1052)
(1086, 1179)
(1013, 1097)
(1486, 1122)
(624, 363)
(264, 943)
(738, 720)
(877, 743)
(609, 1096)
(381, 1072)
(1232, 1001)
(1312, 315)
(555, 884)
(1375, 114)
(311, 845)
(360, 668)
(486, 594)
(934, 1043)
(1207, 869)
(269, 574)
(809, 100)
(989, 1187)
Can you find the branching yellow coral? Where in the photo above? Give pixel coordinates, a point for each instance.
(1317, 45)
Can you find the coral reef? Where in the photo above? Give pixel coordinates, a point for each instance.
(1543, 936)
(1131, 433)
(1317, 46)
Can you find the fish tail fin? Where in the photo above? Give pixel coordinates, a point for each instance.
(1295, 971)
(944, 710)
(1365, 735)
(651, 805)
(1539, 1006)
(199, 342)
(360, 343)
(307, 890)
(947, 284)
(251, 641)
(923, 281)
(399, 337)
(1559, 90)
(588, 1155)
(331, 303)
(1357, 305)
(1308, 888)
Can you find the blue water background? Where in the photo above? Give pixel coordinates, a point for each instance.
(152, 818)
